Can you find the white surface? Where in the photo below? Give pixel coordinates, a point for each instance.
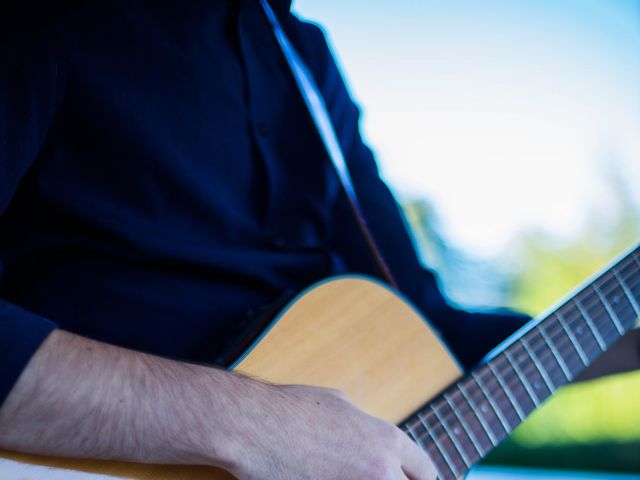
(18, 471)
(498, 473)
(10, 470)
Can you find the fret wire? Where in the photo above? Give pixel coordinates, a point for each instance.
(601, 343)
(564, 346)
(635, 272)
(636, 296)
(501, 376)
(501, 395)
(554, 349)
(574, 341)
(536, 362)
(547, 357)
(631, 257)
(415, 438)
(453, 437)
(497, 413)
(602, 318)
(634, 288)
(523, 379)
(475, 441)
(634, 275)
(503, 368)
(445, 425)
(436, 455)
(608, 321)
(531, 372)
(568, 348)
(484, 391)
(612, 314)
(580, 327)
(492, 383)
(560, 362)
(508, 392)
(599, 279)
(626, 291)
(635, 257)
(547, 339)
(588, 342)
(429, 415)
(556, 354)
(546, 351)
(481, 419)
(447, 459)
(489, 412)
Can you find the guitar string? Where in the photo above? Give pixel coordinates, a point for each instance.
(456, 393)
(565, 341)
(439, 431)
(569, 321)
(432, 432)
(446, 434)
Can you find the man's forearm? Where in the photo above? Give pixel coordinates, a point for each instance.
(81, 398)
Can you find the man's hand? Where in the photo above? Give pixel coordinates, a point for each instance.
(85, 399)
(315, 433)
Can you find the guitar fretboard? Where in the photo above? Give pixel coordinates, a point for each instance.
(469, 419)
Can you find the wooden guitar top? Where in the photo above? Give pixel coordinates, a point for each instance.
(348, 333)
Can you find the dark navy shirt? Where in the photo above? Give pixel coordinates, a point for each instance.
(160, 180)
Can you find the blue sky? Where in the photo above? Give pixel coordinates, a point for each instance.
(506, 115)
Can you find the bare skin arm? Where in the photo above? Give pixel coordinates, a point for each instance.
(85, 399)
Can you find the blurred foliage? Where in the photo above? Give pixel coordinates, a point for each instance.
(606, 457)
(593, 425)
(465, 280)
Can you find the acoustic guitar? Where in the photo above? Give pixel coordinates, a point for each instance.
(357, 335)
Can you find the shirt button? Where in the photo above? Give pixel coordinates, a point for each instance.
(279, 242)
(262, 129)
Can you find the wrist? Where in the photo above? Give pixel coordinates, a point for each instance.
(233, 411)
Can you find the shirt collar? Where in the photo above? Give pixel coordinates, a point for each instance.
(281, 7)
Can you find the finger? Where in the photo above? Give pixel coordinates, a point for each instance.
(417, 465)
(433, 475)
(401, 475)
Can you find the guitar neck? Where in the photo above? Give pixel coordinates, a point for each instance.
(461, 426)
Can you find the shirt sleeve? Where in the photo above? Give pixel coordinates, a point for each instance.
(28, 98)
(470, 335)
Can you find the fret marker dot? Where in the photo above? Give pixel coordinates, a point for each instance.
(537, 384)
(484, 408)
(616, 299)
(579, 330)
(456, 430)
(522, 358)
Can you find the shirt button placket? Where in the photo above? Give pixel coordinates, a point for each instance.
(262, 129)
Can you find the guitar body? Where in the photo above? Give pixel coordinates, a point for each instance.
(348, 333)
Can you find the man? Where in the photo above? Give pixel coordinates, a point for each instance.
(160, 183)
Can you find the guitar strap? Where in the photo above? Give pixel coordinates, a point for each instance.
(318, 110)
